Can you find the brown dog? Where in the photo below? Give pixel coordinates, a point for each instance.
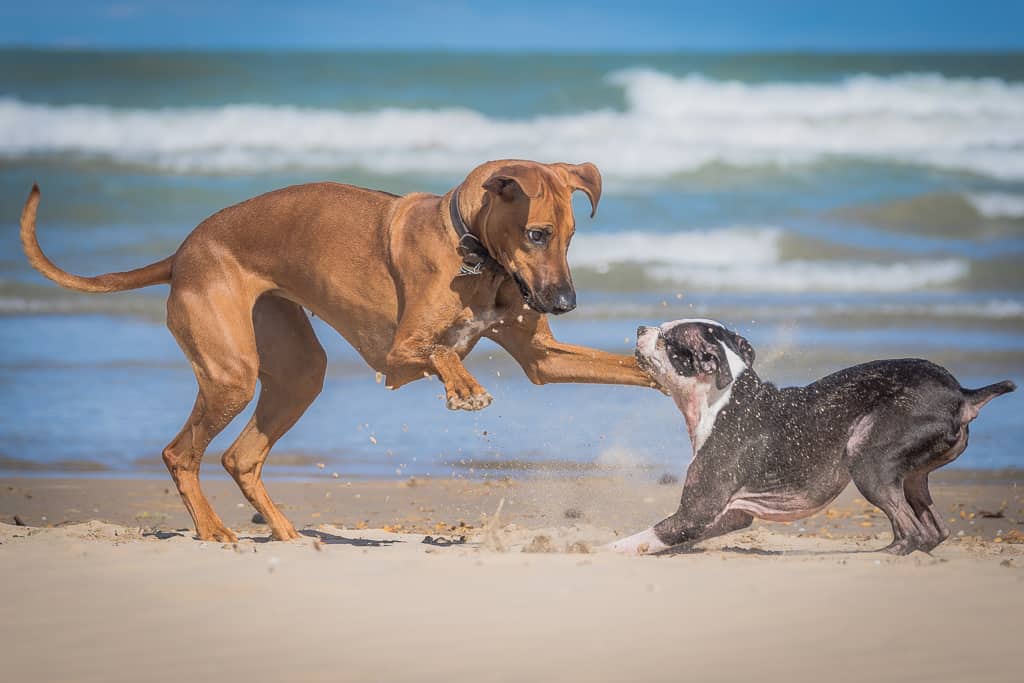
(398, 277)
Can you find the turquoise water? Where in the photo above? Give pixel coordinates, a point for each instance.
(834, 208)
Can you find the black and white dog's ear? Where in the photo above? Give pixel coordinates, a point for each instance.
(722, 372)
(743, 348)
(712, 361)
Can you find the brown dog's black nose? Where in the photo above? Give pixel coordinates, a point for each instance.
(564, 301)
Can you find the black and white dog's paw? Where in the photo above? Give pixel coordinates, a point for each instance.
(644, 543)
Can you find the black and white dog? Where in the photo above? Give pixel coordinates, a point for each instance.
(783, 454)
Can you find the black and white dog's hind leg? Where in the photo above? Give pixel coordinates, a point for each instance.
(915, 487)
(891, 472)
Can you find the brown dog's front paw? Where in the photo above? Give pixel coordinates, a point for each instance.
(475, 401)
(216, 532)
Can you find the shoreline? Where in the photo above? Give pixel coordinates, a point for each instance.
(305, 468)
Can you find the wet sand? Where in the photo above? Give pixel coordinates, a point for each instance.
(132, 596)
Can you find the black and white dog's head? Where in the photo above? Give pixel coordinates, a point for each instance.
(692, 355)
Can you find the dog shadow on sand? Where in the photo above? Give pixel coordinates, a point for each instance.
(684, 549)
(333, 539)
(322, 536)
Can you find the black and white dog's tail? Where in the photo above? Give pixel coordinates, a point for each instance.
(975, 399)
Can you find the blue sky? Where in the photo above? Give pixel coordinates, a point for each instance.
(546, 25)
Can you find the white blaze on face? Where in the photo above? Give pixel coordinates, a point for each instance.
(684, 321)
(643, 543)
(736, 364)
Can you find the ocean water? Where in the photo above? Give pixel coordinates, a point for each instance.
(833, 208)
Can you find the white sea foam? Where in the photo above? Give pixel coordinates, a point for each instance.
(998, 204)
(810, 276)
(748, 259)
(794, 309)
(748, 246)
(995, 309)
(670, 125)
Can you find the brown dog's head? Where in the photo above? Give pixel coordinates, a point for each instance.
(526, 222)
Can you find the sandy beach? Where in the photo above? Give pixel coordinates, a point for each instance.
(104, 582)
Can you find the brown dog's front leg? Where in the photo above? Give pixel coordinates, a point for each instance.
(558, 362)
(409, 363)
(462, 390)
(546, 360)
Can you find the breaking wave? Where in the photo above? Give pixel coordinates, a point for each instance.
(747, 259)
(997, 204)
(669, 125)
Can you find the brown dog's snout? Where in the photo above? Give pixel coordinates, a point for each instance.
(563, 299)
(554, 299)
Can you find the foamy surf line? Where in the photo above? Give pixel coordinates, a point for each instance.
(992, 309)
(748, 259)
(997, 205)
(670, 125)
(805, 276)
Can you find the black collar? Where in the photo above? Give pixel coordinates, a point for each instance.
(475, 256)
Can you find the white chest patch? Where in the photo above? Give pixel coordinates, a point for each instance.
(709, 410)
(710, 402)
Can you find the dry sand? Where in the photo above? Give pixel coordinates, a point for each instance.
(130, 598)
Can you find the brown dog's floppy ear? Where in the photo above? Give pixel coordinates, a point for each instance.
(584, 177)
(504, 181)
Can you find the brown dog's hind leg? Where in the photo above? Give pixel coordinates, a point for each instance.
(292, 369)
(216, 334)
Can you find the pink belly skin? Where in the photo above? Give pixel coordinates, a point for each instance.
(775, 509)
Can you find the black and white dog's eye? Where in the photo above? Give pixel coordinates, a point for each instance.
(682, 361)
(537, 236)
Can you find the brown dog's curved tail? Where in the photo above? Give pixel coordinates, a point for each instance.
(153, 274)
(975, 399)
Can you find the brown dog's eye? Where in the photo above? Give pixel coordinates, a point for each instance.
(537, 236)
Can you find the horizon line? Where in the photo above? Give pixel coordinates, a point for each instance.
(731, 51)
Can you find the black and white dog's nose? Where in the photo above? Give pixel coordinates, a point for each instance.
(641, 331)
